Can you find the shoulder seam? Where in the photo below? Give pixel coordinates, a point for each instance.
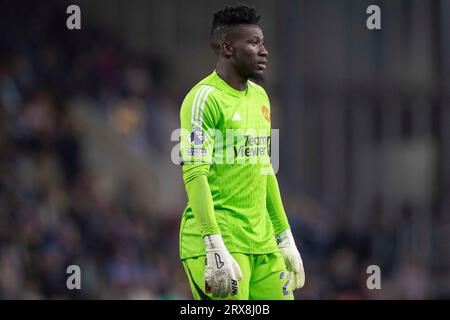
(257, 86)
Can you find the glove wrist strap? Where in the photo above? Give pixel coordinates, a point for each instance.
(285, 239)
(213, 242)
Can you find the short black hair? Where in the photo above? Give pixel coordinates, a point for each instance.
(231, 16)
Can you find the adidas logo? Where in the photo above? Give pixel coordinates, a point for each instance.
(236, 117)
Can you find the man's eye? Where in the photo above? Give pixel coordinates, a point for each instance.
(254, 43)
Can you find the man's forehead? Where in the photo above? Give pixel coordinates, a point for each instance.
(247, 31)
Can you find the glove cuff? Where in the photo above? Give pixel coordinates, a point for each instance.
(214, 242)
(285, 239)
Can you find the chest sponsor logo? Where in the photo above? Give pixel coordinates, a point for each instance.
(253, 146)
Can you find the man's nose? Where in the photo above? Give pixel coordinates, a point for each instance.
(263, 51)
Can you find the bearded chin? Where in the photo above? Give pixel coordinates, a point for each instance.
(246, 72)
(258, 78)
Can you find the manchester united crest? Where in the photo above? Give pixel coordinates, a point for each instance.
(266, 113)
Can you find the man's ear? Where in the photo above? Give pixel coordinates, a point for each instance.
(227, 49)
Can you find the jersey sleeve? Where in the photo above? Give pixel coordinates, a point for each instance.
(275, 205)
(199, 116)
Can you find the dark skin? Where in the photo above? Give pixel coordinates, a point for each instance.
(242, 56)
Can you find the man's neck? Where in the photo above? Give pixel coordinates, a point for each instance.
(230, 76)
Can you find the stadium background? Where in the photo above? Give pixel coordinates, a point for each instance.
(86, 116)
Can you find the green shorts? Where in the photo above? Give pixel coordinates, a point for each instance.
(264, 278)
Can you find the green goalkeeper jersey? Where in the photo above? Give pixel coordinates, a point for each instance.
(229, 130)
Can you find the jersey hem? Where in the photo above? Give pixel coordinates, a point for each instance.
(233, 251)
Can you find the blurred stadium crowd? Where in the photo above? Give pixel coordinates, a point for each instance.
(54, 213)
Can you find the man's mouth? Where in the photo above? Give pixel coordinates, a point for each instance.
(262, 65)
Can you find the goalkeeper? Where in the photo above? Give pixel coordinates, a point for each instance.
(235, 240)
